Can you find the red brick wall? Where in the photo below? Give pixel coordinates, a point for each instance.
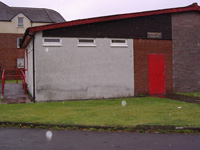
(186, 51)
(9, 51)
(141, 50)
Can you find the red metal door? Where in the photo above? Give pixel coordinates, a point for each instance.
(156, 74)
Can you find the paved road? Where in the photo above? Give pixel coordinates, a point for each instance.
(35, 139)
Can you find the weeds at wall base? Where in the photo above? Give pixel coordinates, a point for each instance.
(137, 129)
(30, 96)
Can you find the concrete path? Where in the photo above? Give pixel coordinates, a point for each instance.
(184, 98)
(37, 139)
(14, 93)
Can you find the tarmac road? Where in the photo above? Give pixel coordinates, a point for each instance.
(35, 139)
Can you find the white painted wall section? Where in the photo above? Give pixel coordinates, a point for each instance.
(29, 72)
(70, 72)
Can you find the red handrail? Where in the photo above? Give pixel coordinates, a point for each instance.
(3, 81)
(23, 77)
(23, 81)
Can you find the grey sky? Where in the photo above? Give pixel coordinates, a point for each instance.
(79, 9)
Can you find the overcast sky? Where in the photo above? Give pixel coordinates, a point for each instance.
(80, 9)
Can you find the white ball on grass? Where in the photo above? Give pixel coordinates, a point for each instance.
(123, 103)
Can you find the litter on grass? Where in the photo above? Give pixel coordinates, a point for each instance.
(123, 103)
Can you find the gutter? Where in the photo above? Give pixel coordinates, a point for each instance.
(24, 37)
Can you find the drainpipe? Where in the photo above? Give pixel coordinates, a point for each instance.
(33, 68)
(24, 37)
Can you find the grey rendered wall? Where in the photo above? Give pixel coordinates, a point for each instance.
(72, 72)
(186, 51)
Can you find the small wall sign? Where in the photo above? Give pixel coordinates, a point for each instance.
(154, 35)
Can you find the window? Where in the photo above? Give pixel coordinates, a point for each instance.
(52, 42)
(20, 62)
(86, 42)
(118, 43)
(20, 22)
(19, 40)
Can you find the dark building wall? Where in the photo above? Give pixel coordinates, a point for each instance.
(142, 48)
(9, 51)
(135, 28)
(186, 51)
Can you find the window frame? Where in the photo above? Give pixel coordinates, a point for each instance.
(118, 44)
(20, 24)
(56, 44)
(18, 61)
(86, 44)
(19, 39)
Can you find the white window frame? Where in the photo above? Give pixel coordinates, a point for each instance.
(82, 42)
(20, 61)
(52, 43)
(114, 43)
(21, 24)
(18, 41)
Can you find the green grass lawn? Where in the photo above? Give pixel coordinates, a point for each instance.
(138, 111)
(0, 90)
(13, 81)
(193, 94)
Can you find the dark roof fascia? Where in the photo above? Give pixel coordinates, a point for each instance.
(193, 7)
(41, 22)
(28, 18)
(5, 20)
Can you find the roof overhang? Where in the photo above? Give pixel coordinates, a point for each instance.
(32, 30)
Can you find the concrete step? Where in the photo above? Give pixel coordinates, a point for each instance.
(14, 93)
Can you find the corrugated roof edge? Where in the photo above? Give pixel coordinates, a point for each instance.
(32, 30)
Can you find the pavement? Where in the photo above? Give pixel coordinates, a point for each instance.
(14, 94)
(40, 139)
(183, 98)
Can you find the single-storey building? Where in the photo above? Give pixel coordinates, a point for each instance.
(153, 52)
